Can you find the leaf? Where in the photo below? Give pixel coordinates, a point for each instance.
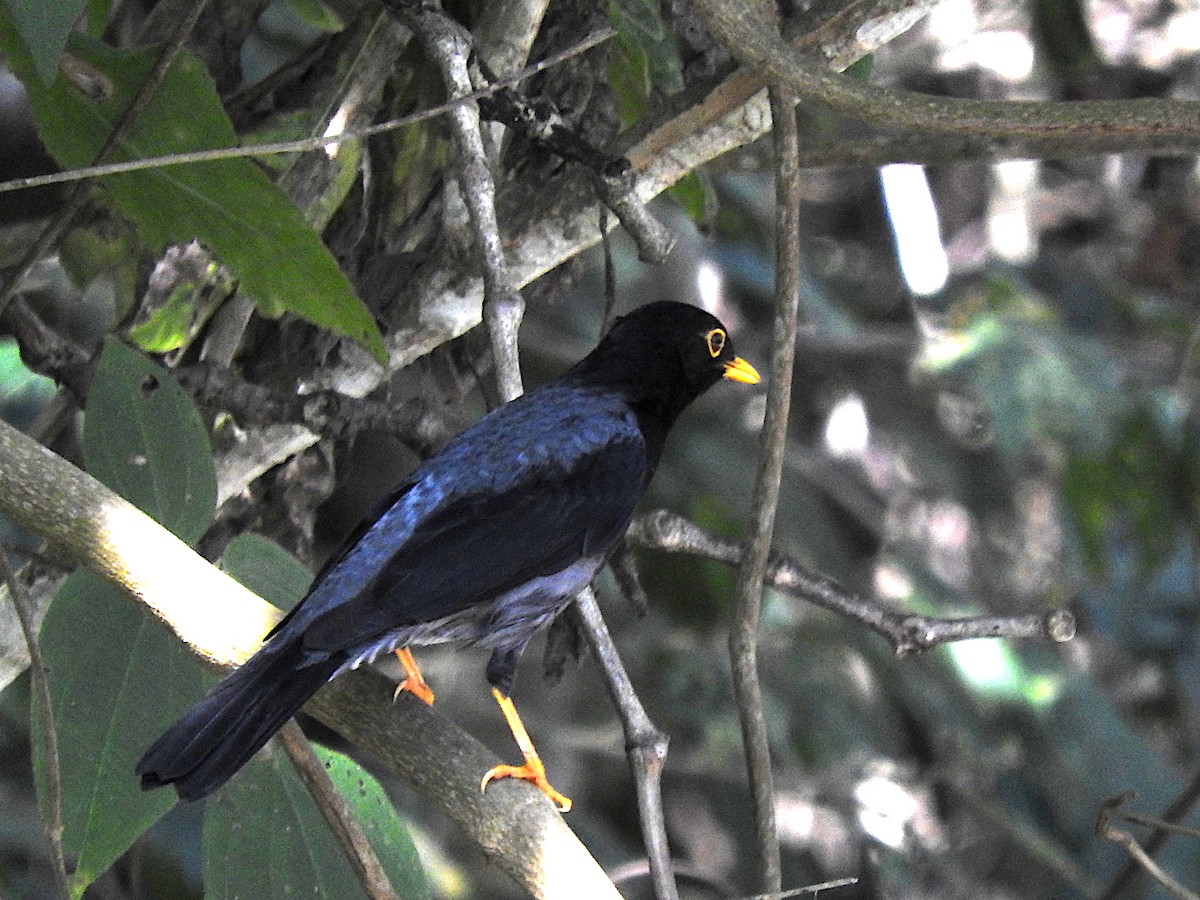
(117, 679)
(229, 205)
(267, 569)
(144, 439)
(264, 837)
(22, 391)
(44, 26)
(695, 194)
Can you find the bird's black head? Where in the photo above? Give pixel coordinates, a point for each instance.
(662, 356)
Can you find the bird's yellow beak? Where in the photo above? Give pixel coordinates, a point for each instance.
(740, 370)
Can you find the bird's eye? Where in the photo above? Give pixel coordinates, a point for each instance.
(716, 342)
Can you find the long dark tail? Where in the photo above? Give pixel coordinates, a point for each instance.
(216, 737)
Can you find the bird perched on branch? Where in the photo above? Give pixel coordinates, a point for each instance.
(483, 544)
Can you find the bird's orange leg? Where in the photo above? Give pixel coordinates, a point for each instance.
(533, 771)
(414, 684)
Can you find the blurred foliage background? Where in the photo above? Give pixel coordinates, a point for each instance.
(993, 411)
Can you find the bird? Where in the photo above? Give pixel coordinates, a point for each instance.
(483, 544)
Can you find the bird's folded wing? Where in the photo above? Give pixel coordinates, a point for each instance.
(484, 542)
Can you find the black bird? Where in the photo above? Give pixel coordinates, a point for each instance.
(484, 544)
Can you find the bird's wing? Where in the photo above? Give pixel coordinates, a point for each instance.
(484, 542)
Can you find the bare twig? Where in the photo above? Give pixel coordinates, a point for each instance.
(1179, 808)
(75, 199)
(337, 814)
(304, 144)
(1105, 828)
(645, 744)
(743, 636)
(40, 680)
(663, 530)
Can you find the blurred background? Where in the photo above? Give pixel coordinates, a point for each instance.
(993, 411)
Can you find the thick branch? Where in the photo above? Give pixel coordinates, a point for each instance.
(1076, 126)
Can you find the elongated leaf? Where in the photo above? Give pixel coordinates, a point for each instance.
(264, 836)
(144, 439)
(117, 679)
(229, 205)
(44, 26)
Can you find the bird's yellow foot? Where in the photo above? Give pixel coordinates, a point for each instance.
(414, 683)
(533, 771)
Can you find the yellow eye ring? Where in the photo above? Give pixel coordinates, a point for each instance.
(716, 342)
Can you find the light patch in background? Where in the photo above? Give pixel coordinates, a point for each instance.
(337, 125)
(1009, 217)
(1007, 54)
(991, 666)
(708, 285)
(885, 809)
(910, 209)
(847, 429)
(952, 21)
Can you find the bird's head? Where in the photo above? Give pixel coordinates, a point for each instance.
(665, 355)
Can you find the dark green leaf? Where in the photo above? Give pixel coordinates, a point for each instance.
(229, 205)
(144, 439)
(44, 26)
(267, 569)
(117, 679)
(264, 837)
(695, 194)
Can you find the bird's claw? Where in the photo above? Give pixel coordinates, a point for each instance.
(419, 689)
(535, 773)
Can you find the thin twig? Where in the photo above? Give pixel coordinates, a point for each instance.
(664, 530)
(743, 637)
(305, 144)
(40, 686)
(76, 197)
(1179, 808)
(645, 744)
(337, 814)
(1104, 828)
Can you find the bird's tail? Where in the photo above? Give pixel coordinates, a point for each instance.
(216, 737)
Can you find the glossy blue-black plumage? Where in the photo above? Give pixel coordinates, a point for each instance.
(483, 544)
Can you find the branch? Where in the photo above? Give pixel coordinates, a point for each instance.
(663, 530)
(1078, 128)
(645, 744)
(40, 689)
(337, 814)
(448, 45)
(1110, 832)
(743, 637)
(1178, 810)
(223, 623)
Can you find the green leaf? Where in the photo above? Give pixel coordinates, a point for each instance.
(629, 76)
(317, 14)
(117, 679)
(229, 205)
(169, 326)
(144, 439)
(44, 26)
(695, 194)
(264, 837)
(267, 569)
(22, 391)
